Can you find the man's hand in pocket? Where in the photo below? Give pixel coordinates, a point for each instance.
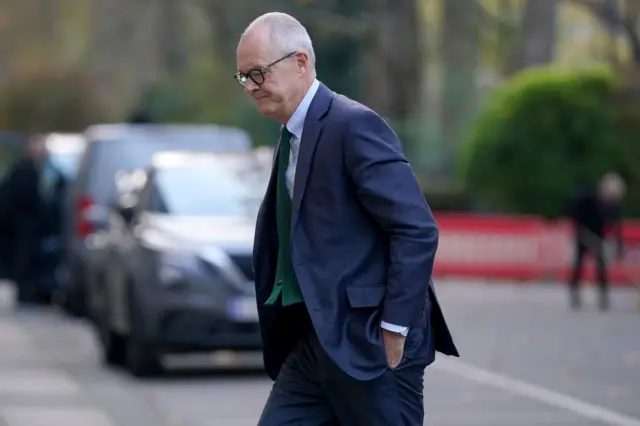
(393, 346)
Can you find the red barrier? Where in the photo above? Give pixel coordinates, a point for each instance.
(520, 248)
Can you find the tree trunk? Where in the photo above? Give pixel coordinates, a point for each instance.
(459, 52)
(395, 70)
(122, 57)
(536, 43)
(171, 35)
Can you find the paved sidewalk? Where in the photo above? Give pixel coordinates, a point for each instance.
(34, 393)
(41, 382)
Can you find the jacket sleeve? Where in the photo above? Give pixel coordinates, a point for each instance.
(388, 189)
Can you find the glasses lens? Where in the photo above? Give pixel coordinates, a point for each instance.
(256, 76)
(241, 79)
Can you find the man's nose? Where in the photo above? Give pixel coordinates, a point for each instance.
(250, 86)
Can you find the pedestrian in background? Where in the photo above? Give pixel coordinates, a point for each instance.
(22, 207)
(595, 214)
(343, 252)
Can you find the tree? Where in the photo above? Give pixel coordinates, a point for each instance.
(542, 134)
(171, 33)
(51, 101)
(395, 55)
(460, 32)
(535, 43)
(609, 13)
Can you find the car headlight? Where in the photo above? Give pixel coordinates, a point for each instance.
(221, 264)
(217, 257)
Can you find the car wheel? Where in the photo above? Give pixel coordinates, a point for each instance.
(142, 359)
(74, 294)
(113, 345)
(70, 303)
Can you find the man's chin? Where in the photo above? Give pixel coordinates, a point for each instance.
(266, 107)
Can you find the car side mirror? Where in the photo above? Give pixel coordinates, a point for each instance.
(127, 213)
(124, 205)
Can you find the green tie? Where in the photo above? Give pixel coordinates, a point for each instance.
(286, 282)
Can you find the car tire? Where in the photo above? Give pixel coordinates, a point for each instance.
(113, 346)
(142, 359)
(74, 301)
(70, 303)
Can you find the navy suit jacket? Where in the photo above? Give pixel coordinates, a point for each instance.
(363, 242)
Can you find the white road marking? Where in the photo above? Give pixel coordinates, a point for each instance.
(534, 392)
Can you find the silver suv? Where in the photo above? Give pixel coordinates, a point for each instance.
(110, 148)
(179, 274)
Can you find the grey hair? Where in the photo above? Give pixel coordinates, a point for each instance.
(286, 34)
(612, 182)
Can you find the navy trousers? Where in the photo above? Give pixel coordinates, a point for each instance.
(311, 390)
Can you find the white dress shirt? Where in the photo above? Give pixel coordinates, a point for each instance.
(295, 126)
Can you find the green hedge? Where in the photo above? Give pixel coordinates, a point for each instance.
(547, 131)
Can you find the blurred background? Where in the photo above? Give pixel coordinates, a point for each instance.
(431, 67)
(510, 112)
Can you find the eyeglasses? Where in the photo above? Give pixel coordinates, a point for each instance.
(257, 74)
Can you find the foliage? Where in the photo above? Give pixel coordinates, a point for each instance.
(546, 132)
(205, 94)
(49, 101)
(627, 125)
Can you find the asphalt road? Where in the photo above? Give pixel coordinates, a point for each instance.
(527, 360)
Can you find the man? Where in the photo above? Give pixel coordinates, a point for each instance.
(344, 249)
(594, 213)
(22, 201)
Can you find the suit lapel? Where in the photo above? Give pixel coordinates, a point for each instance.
(263, 227)
(310, 135)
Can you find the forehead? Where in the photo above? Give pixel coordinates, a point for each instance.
(254, 50)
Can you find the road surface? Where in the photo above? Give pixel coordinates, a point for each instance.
(527, 361)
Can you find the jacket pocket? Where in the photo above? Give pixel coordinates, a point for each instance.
(366, 296)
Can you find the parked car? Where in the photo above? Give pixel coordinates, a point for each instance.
(178, 276)
(111, 148)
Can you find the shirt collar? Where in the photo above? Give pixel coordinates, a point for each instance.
(296, 122)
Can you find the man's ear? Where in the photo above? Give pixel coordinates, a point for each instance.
(302, 59)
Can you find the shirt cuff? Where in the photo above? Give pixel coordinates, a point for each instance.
(395, 328)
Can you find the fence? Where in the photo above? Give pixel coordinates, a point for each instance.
(521, 248)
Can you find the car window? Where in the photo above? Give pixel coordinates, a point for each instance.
(204, 192)
(109, 157)
(141, 197)
(65, 162)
